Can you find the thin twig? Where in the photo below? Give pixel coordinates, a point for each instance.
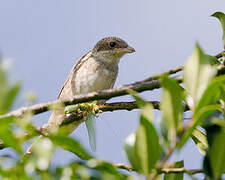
(163, 170)
(170, 72)
(125, 106)
(181, 170)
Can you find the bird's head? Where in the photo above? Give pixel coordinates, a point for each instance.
(111, 49)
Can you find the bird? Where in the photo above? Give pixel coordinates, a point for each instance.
(97, 70)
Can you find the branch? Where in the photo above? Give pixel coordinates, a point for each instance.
(125, 106)
(181, 170)
(140, 86)
(100, 95)
(163, 170)
(108, 107)
(79, 115)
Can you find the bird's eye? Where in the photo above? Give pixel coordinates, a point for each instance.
(112, 44)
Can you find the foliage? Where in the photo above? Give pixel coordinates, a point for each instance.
(148, 148)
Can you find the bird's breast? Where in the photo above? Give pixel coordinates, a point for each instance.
(93, 76)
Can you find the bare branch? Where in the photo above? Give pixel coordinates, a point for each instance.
(163, 170)
(181, 170)
(125, 106)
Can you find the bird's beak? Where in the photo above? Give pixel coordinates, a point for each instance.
(128, 49)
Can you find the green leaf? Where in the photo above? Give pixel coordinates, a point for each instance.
(198, 73)
(2, 145)
(129, 149)
(201, 116)
(175, 176)
(213, 60)
(144, 105)
(71, 145)
(15, 172)
(140, 101)
(171, 106)
(146, 148)
(7, 93)
(8, 98)
(221, 17)
(213, 92)
(7, 136)
(216, 153)
(3, 82)
(200, 140)
(91, 128)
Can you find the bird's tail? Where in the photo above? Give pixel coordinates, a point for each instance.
(53, 124)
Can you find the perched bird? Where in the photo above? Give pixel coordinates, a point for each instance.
(97, 70)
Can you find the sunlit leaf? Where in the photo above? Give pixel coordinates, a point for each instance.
(144, 105)
(140, 101)
(198, 73)
(147, 149)
(213, 92)
(171, 107)
(143, 148)
(129, 149)
(200, 140)
(200, 117)
(221, 17)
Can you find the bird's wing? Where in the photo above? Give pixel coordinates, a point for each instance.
(76, 66)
